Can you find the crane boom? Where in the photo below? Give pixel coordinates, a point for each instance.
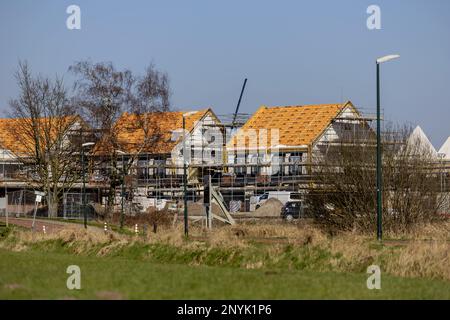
(238, 104)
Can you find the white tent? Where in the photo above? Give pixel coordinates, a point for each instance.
(445, 149)
(418, 137)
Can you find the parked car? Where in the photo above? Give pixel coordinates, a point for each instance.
(293, 210)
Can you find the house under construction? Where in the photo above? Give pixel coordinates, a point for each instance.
(275, 149)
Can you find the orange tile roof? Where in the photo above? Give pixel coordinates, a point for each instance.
(15, 134)
(8, 138)
(159, 126)
(297, 125)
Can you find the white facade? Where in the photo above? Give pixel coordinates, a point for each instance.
(203, 145)
(346, 125)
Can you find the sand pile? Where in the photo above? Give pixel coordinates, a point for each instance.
(271, 207)
(196, 208)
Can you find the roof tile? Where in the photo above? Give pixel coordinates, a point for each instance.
(297, 125)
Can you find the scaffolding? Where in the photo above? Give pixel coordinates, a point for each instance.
(238, 182)
(154, 178)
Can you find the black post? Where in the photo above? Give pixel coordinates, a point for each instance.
(83, 190)
(379, 164)
(122, 191)
(186, 227)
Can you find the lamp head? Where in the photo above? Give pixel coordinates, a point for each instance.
(87, 144)
(387, 58)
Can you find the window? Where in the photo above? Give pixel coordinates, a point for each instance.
(347, 126)
(296, 160)
(296, 196)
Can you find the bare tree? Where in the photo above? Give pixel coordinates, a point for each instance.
(43, 123)
(150, 96)
(344, 193)
(104, 94)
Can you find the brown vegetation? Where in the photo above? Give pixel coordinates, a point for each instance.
(344, 196)
(424, 252)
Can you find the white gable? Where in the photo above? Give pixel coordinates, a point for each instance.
(445, 149)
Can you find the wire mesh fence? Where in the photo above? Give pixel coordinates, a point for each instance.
(22, 203)
(75, 208)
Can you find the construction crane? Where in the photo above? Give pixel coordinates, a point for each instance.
(233, 123)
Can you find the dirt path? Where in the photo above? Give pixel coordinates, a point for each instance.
(50, 226)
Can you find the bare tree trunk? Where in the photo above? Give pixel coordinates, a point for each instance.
(52, 204)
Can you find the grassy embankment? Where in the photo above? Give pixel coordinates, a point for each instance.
(260, 261)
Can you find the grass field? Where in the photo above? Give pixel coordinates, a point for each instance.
(38, 275)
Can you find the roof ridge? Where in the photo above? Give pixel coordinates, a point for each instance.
(167, 111)
(307, 105)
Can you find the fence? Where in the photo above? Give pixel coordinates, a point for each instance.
(73, 207)
(22, 203)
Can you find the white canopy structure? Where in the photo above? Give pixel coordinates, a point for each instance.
(418, 137)
(444, 151)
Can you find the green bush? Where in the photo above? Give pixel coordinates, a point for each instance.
(4, 230)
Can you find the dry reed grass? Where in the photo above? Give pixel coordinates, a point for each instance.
(425, 253)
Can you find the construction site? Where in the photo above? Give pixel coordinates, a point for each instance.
(251, 165)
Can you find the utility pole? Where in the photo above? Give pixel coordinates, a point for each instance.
(83, 189)
(379, 195)
(379, 158)
(6, 190)
(122, 190)
(122, 215)
(186, 226)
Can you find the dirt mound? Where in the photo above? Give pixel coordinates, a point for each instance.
(196, 208)
(271, 207)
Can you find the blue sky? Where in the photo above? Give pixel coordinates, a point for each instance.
(292, 52)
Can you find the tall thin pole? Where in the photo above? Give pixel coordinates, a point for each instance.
(186, 227)
(379, 164)
(83, 190)
(122, 216)
(6, 190)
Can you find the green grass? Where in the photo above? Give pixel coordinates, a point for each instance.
(4, 230)
(35, 274)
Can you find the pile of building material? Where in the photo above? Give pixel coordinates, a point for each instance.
(196, 208)
(199, 209)
(270, 208)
